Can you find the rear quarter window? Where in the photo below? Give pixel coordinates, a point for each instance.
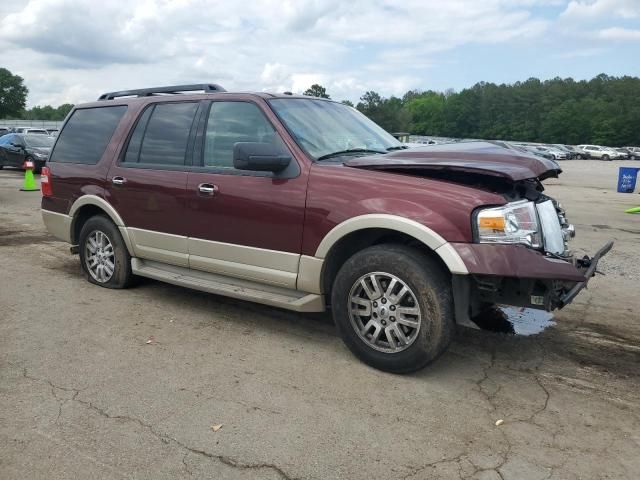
(86, 134)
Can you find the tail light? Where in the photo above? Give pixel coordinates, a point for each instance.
(45, 182)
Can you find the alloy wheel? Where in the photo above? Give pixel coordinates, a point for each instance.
(384, 312)
(99, 256)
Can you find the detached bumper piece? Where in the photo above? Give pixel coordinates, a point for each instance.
(589, 265)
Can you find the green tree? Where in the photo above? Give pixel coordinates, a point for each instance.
(13, 94)
(347, 102)
(316, 90)
(47, 112)
(63, 110)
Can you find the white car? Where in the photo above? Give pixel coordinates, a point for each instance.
(545, 151)
(38, 131)
(556, 153)
(602, 153)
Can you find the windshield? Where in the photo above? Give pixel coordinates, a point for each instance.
(38, 141)
(322, 127)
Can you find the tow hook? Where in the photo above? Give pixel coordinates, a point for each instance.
(584, 262)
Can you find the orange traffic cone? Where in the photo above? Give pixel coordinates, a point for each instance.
(29, 181)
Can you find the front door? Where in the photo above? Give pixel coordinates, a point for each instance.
(14, 151)
(147, 185)
(243, 224)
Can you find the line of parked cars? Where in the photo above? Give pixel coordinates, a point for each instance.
(53, 132)
(554, 151)
(571, 152)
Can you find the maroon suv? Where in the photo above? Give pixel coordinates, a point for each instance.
(305, 204)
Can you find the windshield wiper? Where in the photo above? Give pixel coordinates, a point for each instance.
(399, 147)
(346, 152)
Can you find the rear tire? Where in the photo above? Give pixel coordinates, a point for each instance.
(423, 337)
(605, 158)
(103, 254)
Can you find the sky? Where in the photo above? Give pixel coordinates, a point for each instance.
(71, 51)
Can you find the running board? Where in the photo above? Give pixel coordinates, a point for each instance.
(229, 286)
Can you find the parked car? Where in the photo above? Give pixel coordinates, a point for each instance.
(4, 131)
(577, 153)
(522, 149)
(16, 148)
(634, 152)
(537, 151)
(555, 153)
(625, 155)
(35, 131)
(599, 152)
(570, 154)
(305, 204)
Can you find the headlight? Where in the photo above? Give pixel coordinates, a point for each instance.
(515, 222)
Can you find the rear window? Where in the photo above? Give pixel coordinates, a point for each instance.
(86, 135)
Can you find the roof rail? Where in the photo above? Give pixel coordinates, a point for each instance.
(147, 92)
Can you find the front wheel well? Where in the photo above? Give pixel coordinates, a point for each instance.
(352, 243)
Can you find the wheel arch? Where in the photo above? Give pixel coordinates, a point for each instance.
(364, 231)
(88, 206)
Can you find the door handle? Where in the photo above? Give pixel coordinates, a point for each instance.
(208, 189)
(118, 180)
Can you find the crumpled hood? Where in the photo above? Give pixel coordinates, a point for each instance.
(482, 158)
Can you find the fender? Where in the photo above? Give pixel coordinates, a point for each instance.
(311, 267)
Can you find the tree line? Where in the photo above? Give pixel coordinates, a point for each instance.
(604, 110)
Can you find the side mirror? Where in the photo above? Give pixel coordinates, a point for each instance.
(259, 157)
(17, 145)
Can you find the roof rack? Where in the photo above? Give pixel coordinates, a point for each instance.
(147, 92)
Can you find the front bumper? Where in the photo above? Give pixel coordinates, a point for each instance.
(519, 276)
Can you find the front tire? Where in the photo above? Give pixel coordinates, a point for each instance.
(103, 254)
(393, 307)
(606, 158)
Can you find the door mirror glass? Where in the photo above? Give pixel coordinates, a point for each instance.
(259, 157)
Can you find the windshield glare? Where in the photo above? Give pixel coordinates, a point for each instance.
(41, 141)
(322, 127)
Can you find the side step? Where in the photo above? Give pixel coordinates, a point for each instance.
(229, 286)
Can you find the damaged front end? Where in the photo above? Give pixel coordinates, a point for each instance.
(519, 255)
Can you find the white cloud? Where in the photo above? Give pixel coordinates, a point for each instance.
(597, 9)
(72, 50)
(581, 53)
(617, 33)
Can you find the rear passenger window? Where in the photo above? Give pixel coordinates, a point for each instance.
(161, 135)
(86, 135)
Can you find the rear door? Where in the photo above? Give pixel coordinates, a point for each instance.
(241, 223)
(147, 183)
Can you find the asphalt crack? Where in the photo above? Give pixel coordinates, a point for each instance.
(224, 459)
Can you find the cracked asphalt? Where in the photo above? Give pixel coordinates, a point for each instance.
(83, 395)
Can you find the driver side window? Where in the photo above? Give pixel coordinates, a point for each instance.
(232, 122)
